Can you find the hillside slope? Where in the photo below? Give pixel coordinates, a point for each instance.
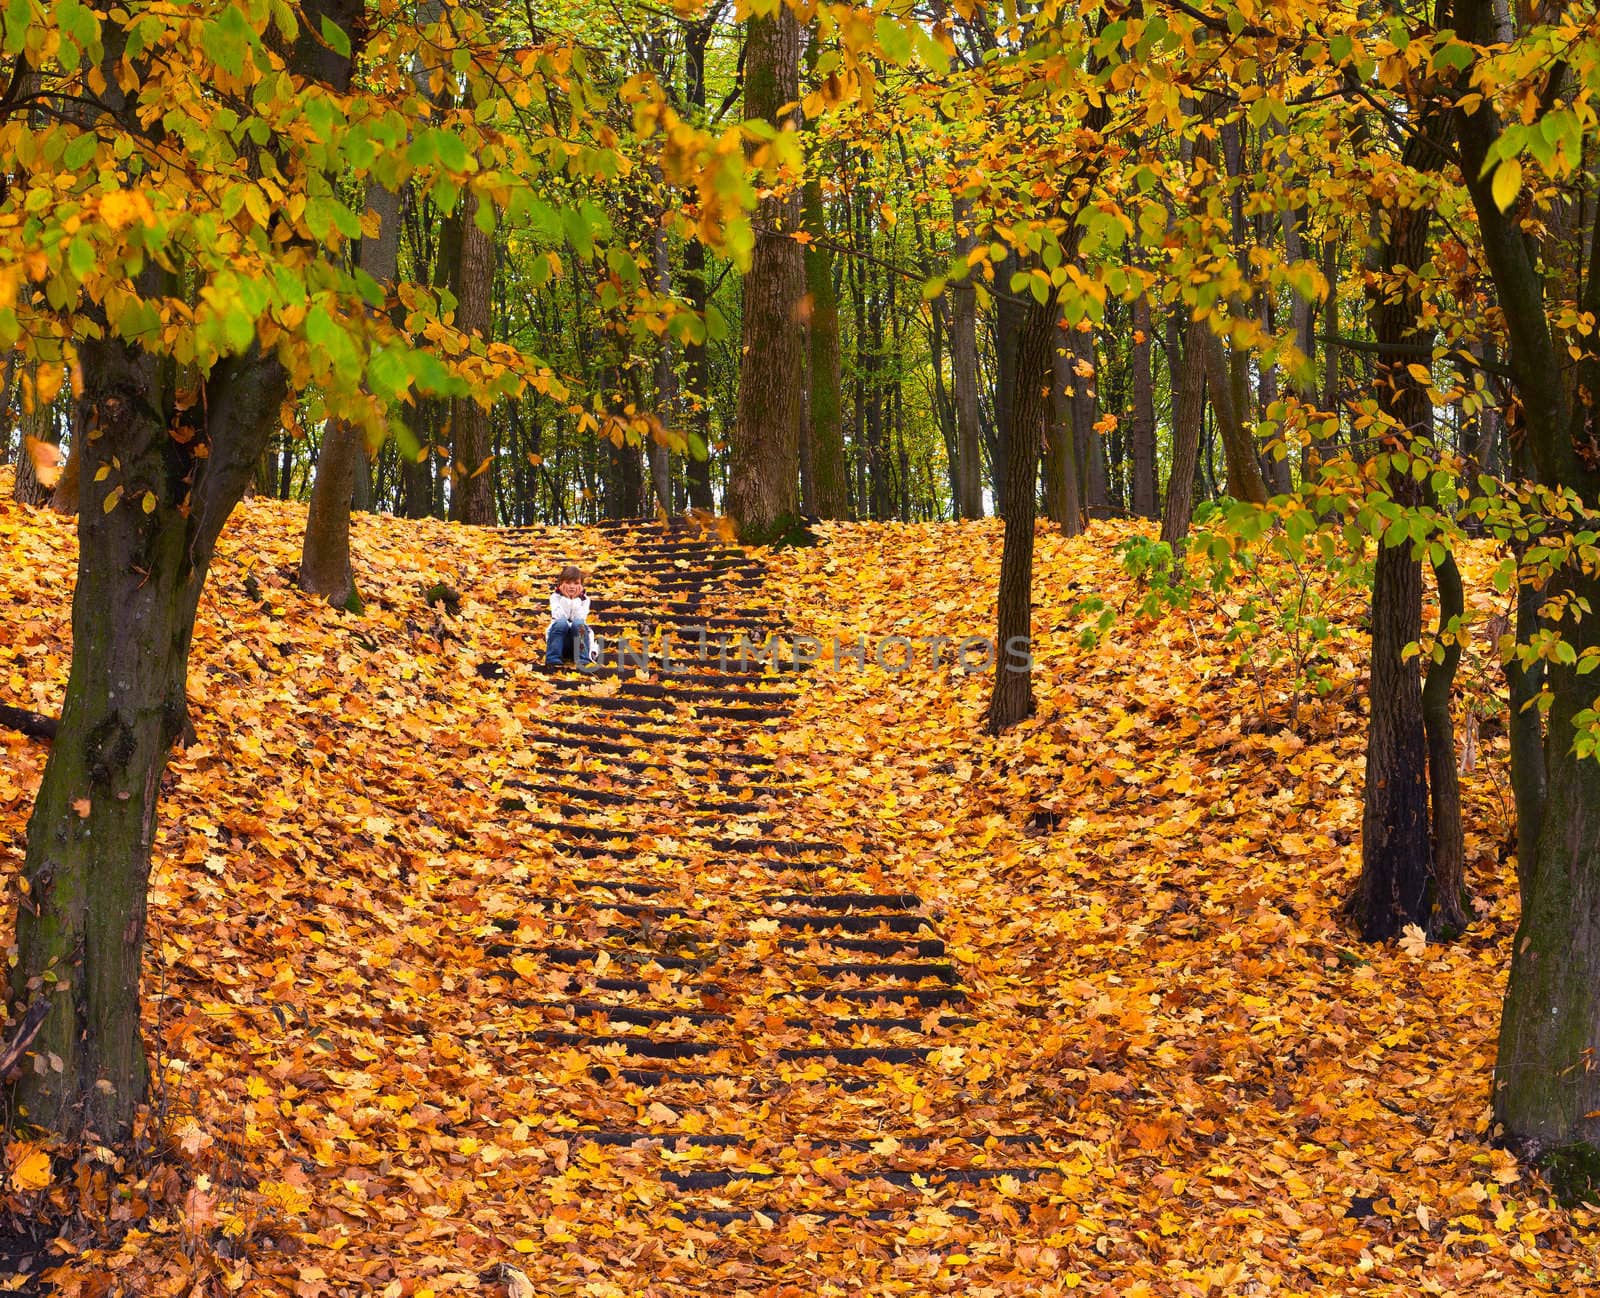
(714, 983)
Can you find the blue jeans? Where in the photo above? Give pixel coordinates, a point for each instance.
(566, 640)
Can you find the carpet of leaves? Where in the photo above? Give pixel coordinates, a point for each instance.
(1140, 886)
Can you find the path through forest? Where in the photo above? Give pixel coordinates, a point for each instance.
(709, 971)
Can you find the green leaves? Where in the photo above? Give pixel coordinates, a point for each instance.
(335, 37)
(18, 16)
(229, 39)
(1507, 181)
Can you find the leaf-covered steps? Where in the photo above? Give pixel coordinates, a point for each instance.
(707, 958)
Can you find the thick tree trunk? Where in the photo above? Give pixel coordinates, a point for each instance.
(1142, 436)
(1547, 1093)
(1012, 699)
(80, 927)
(764, 468)
(1547, 1089)
(471, 487)
(1188, 416)
(1526, 726)
(88, 858)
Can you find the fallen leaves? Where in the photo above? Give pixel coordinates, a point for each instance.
(356, 902)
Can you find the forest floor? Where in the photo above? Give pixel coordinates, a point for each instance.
(1142, 1054)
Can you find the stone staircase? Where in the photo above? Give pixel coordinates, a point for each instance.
(757, 1010)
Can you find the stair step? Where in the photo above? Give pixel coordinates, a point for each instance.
(897, 922)
(850, 900)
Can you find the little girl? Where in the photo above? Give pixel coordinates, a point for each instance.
(569, 622)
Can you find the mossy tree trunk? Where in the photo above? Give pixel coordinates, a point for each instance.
(1547, 1087)
(142, 564)
(80, 928)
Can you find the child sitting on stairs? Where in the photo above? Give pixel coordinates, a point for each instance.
(569, 633)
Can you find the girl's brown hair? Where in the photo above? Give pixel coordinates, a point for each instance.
(570, 573)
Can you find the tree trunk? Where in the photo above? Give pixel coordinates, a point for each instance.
(1444, 785)
(763, 468)
(37, 424)
(80, 929)
(964, 376)
(93, 823)
(1083, 369)
(1063, 505)
(1396, 856)
(1526, 726)
(1012, 699)
(1142, 436)
(342, 464)
(831, 483)
(1009, 311)
(1397, 866)
(1188, 416)
(696, 367)
(1238, 446)
(1547, 1089)
(471, 487)
(666, 377)
(697, 379)
(1547, 1093)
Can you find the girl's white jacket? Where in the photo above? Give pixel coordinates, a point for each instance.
(573, 610)
(568, 610)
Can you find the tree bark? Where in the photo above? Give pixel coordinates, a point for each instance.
(697, 379)
(831, 483)
(471, 487)
(696, 364)
(964, 375)
(342, 464)
(37, 424)
(1012, 699)
(1397, 885)
(80, 930)
(1063, 505)
(666, 376)
(1188, 415)
(1444, 784)
(1547, 1091)
(1142, 436)
(1238, 446)
(1009, 312)
(764, 461)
